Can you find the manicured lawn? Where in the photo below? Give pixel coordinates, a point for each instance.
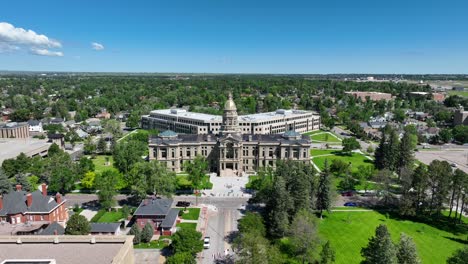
(356, 159)
(157, 244)
(100, 163)
(110, 217)
(317, 152)
(348, 232)
(187, 225)
(325, 137)
(459, 93)
(313, 132)
(184, 183)
(192, 214)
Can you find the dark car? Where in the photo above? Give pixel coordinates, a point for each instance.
(183, 204)
(348, 193)
(350, 204)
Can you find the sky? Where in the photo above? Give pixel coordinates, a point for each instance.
(235, 36)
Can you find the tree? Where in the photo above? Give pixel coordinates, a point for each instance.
(22, 179)
(252, 248)
(384, 178)
(101, 145)
(88, 180)
(112, 126)
(445, 135)
(5, 184)
(147, 233)
(460, 133)
(61, 172)
(53, 149)
(187, 240)
(458, 257)
(85, 165)
(181, 257)
(304, 236)
(77, 225)
(324, 194)
(380, 249)
(277, 209)
(196, 170)
(136, 232)
(133, 120)
(252, 222)
(327, 255)
(439, 179)
(107, 183)
(406, 251)
(350, 144)
(126, 154)
(406, 154)
(89, 146)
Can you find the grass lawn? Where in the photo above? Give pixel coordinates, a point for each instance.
(459, 93)
(356, 159)
(325, 137)
(107, 217)
(184, 183)
(348, 232)
(192, 214)
(314, 132)
(187, 225)
(157, 244)
(100, 163)
(317, 152)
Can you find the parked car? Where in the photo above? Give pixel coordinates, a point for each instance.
(350, 204)
(348, 193)
(183, 204)
(206, 242)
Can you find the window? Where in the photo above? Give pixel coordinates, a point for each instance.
(164, 153)
(188, 152)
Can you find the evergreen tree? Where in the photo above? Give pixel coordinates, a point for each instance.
(406, 154)
(380, 249)
(393, 154)
(278, 207)
(406, 251)
(324, 190)
(304, 234)
(381, 156)
(327, 255)
(147, 233)
(136, 232)
(439, 179)
(22, 179)
(5, 184)
(459, 257)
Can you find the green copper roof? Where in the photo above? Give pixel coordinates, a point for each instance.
(168, 133)
(291, 133)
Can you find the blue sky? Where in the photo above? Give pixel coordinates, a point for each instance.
(236, 36)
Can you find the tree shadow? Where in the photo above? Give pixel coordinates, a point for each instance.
(459, 240)
(231, 236)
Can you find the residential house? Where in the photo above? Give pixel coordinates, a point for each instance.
(377, 124)
(57, 121)
(428, 132)
(58, 139)
(35, 126)
(105, 229)
(81, 133)
(19, 207)
(159, 214)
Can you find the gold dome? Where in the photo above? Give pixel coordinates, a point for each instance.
(230, 105)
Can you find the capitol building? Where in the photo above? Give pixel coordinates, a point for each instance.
(233, 145)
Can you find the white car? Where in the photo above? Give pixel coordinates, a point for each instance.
(206, 242)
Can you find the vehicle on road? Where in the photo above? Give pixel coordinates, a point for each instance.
(206, 242)
(350, 204)
(183, 204)
(454, 165)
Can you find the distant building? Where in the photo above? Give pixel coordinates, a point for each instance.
(458, 88)
(66, 249)
(373, 96)
(159, 214)
(58, 139)
(438, 97)
(280, 121)
(35, 126)
(460, 116)
(14, 130)
(232, 152)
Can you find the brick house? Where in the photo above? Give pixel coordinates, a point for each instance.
(19, 207)
(159, 214)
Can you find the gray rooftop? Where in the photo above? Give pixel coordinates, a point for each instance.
(10, 148)
(104, 227)
(15, 202)
(51, 230)
(154, 207)
(170, 219)
(280, 113)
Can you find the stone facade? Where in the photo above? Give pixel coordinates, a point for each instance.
(460, 117)
(14, 130)
(280, 121)
(230, 153)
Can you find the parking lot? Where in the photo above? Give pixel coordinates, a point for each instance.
(453, 156)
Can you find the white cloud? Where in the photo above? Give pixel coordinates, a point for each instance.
(46, 52)
(97, 46)
(19, 36)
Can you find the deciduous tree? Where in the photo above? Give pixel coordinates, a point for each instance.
(77, 225)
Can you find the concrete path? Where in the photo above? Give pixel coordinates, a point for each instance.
(89, 214)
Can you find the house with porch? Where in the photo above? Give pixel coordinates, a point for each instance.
(159, 214)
